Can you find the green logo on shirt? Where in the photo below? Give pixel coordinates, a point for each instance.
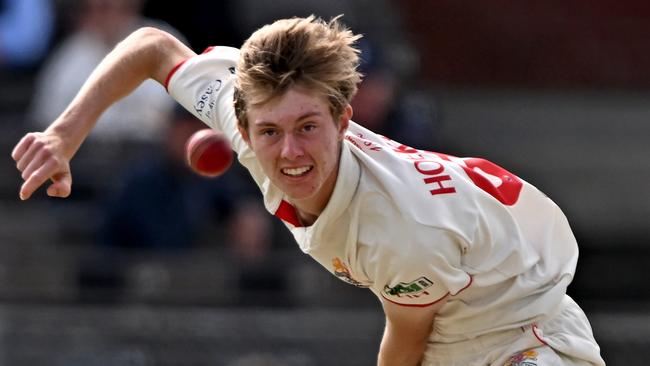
(412, 288)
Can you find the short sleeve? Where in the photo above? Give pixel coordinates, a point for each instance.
(420, 271)
(204, 85)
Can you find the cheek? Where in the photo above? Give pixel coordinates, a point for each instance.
(263, 153)
(330, 154)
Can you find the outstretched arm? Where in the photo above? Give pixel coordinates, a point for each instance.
(146, 53)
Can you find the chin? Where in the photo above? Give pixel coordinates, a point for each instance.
(298, 195)
(302, 190)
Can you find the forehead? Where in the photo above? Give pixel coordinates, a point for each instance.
(294, 104)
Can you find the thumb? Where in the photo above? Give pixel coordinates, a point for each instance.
(61, 185)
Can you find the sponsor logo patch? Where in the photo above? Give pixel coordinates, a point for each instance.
(412, 289)
(206, 102)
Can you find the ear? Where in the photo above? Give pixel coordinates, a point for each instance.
(344, 121)
(244, 134)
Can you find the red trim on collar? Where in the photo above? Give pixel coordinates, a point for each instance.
(208, 49)
(172, 72)
(286, 212)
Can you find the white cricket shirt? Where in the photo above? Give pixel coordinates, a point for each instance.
(411, 225)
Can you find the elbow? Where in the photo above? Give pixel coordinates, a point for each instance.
(148, 31)
(151, 36)
(154, 52)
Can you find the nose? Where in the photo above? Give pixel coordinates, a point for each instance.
(291, 147)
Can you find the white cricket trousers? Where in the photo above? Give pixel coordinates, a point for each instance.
(565, 339)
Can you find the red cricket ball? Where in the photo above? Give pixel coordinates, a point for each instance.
(208, 153)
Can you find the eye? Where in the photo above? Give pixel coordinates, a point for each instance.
(268, 132)
(309, 127)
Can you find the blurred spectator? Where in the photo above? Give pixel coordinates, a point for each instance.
(26, 28)
(249, 232)
(204, 22)
(157, 206)
(384, 106)
(160, 207)
(98, 26)
(388, 101)
(159, 203)
(253, 358)
(379, 20)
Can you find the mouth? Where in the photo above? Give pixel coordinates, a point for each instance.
(297, 172)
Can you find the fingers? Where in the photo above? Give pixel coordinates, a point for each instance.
(19, 154)
(34, 161)
(39, 158)
(36, 179)
(61, 186)
(22, 146)
(60, 176)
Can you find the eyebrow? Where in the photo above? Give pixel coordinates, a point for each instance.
(300, 118)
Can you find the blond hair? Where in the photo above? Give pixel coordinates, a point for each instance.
(308, 52)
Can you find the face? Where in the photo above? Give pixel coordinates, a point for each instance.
(297, 142)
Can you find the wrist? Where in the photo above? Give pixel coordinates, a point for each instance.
(67, 135)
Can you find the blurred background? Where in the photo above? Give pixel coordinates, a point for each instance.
(148, 264)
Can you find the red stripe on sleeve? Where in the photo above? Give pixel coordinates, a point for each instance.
(171, 73)
(208, 49)
(415, 305)
(534, 330)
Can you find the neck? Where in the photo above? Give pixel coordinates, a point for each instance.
(306, 218)
(310, 208)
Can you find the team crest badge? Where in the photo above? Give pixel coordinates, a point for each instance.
(525, 358)
(342, 272)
